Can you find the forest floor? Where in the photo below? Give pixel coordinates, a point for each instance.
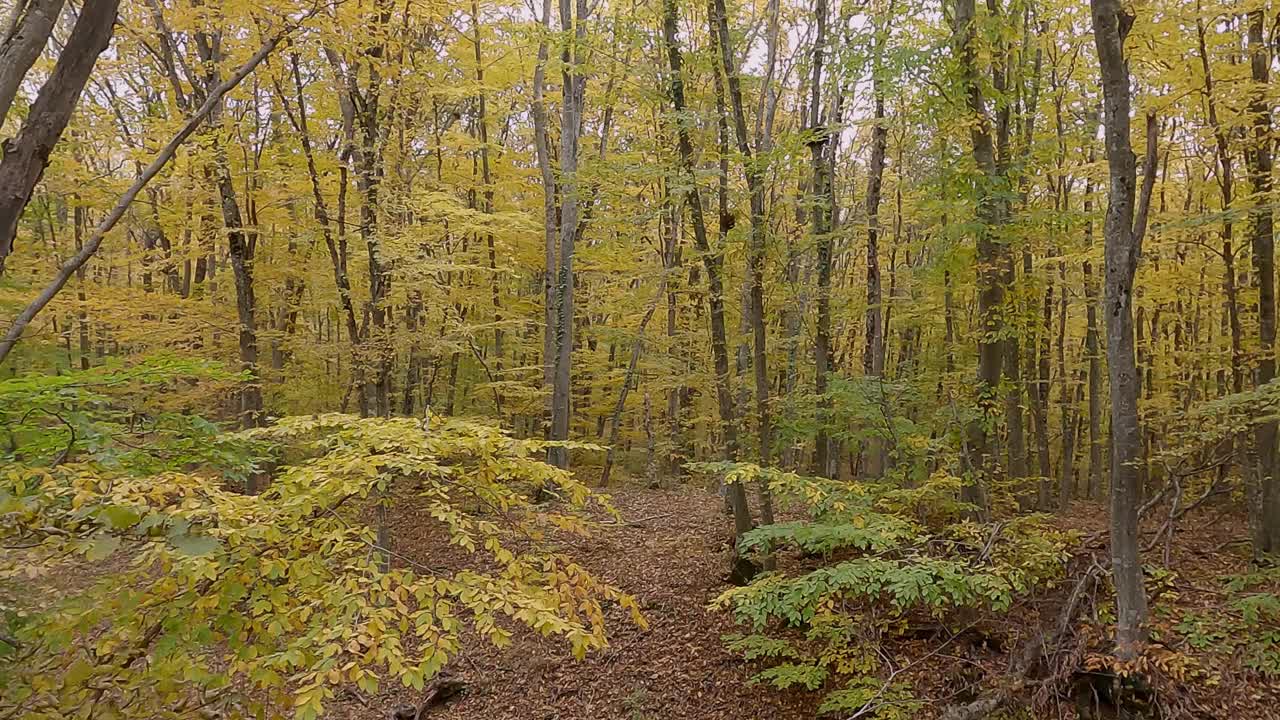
(670, 553)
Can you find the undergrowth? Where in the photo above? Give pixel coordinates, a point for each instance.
(871, 560)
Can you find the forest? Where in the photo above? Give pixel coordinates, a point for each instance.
(706, 359)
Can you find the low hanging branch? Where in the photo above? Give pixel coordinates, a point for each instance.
(161, 159)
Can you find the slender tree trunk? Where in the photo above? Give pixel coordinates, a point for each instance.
(336, 246)
(1091, 348)
(1040, 398)
(572, 88)
(992, 212)
(1267, 533)
(486, 175)
(1125, 227)
(873, 350)
(82, 313)
(369, 171)
(615, 420)
(756, 253)
(240, 248)
(820, 217)
(1066, 469)
(550, 227)
(712, 260)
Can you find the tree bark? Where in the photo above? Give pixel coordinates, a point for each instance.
(754, 171)
(573, 85)
(820, 218)
(875, 457)
(1267, 534)
(369, 173)
(992, 212)
(486, 175)
(1124, 229)
(1091, 348)
(1066, 469)
(542, 148)
(742, 520)
(21, 47)
(25, 156)
(240, 248)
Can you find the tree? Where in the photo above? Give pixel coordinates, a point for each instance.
(712, 261)
(820, 216)
(573, 83)
(1258, 158)
(873, 349)
(992, 255)
(1126, 222)
(754, 172)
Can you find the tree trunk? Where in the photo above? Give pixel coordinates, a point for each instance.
(1267, 534)
(486, 175)
(756, 256)
(573, 85)
(992, 212)
(23, 46)
(337, 247)
(240, 248)
(820, 218)
(241, 255)
(24, 157)
(1124, 229)
(874, 459)
(712, 261)
(542, 148)
(1066, 469)
(1091, 348)
(369, 171)
(82, 313)
(615, 420)
(1040, 398)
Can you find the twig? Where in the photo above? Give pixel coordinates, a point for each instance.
(638, 521)
(871, 705)
(375, 546)
(57, 460)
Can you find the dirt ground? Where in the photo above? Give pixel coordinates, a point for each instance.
(670, 554)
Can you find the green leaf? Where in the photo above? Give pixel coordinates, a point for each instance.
(120, 517)
(102, 548)
(77, 673)
(195, 545)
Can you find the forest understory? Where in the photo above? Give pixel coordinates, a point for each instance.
(669, 550)
(344, 344)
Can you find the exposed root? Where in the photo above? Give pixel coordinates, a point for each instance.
(438, 693)
(1040, 655)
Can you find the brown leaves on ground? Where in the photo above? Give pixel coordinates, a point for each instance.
(669, 552)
